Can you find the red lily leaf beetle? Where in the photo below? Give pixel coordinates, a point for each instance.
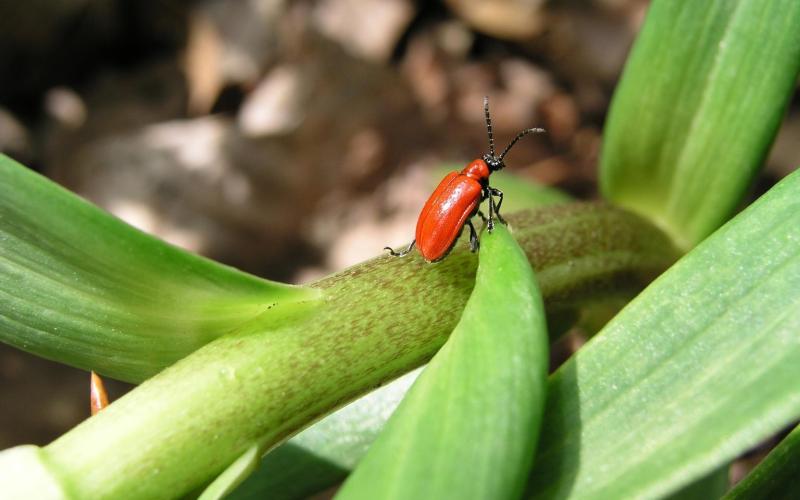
(457, 199)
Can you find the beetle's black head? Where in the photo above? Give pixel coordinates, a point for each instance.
(492, 160)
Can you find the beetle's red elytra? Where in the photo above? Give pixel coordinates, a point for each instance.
(457, 199)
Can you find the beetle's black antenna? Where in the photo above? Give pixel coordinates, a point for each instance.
(488, 124)
(518, 137)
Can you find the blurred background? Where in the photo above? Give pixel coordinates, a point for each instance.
(292, 139)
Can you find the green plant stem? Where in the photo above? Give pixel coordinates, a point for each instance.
(181, 428)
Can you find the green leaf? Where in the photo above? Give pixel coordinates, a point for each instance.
(290, 472)
(698, 368)
(81, 287)
(266, 382)
(776, 477)
(233, 475)
(698, 106)
(469, 425)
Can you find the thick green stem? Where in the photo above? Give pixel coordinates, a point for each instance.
(375, 321)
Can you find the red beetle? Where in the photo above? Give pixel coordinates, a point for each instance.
(458, 199)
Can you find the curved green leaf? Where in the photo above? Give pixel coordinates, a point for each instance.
(79, 286)
(233, 475)
(777, 477)
(698, 106)
(698, 368)
(468, 426)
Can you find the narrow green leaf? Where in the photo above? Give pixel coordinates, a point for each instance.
(698, 368)
(469, 425)
(290, 472)
(776, 477)
(698, 106)
(233, 475)
(266, 382)
(81, 287)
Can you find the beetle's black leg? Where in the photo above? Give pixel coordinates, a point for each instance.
(497, 192)
(483, 217)
(473, 237)
(402, 252)
(490, 222)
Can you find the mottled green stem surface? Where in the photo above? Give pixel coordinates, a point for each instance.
(181, 428)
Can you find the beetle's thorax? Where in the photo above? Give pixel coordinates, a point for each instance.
(478, 170)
